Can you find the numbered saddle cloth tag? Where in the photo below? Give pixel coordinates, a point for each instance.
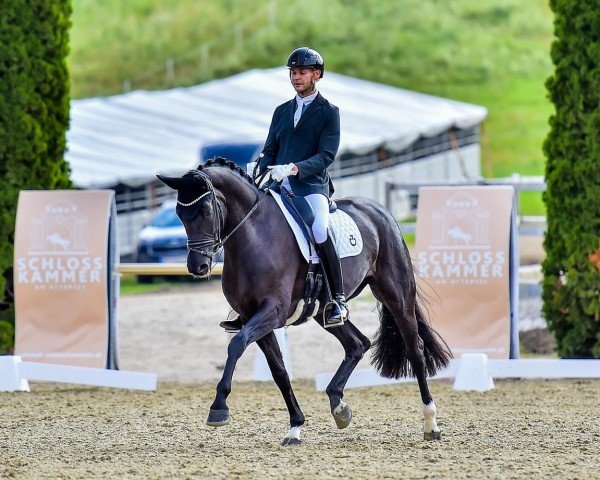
(346, 234)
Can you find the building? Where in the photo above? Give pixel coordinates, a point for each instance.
(388, 133)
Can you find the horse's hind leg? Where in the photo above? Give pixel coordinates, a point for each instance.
(269, 346)
(399, 313)
(355, 346)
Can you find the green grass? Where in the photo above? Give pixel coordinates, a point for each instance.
(532, 204)
(489, 52)
(131, 286)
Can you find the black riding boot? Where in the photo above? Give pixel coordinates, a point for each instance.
(232, 326)
(333, 270)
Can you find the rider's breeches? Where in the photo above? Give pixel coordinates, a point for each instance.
(320, 207)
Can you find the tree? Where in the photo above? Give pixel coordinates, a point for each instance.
(34, 115)
(571, 288)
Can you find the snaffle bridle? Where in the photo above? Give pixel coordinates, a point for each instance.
(214, 239)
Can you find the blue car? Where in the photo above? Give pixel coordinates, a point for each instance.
(164, 240)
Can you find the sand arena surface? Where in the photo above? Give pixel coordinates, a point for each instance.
(177, 335)
(521, 429)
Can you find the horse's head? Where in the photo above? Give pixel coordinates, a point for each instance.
(198, 209)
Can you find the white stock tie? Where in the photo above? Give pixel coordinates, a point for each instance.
(299, 112)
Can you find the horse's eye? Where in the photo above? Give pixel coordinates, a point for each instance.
(206, 210)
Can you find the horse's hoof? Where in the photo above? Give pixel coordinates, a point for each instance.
(290, 442)
(217, 418)
(342, 414)
(432, 436)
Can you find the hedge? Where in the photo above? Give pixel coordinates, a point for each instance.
(571, 284)
(34, 115)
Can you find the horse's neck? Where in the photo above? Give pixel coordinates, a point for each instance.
(266, 220)
(240, 198)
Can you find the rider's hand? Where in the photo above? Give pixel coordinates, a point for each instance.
(279, 172)
(250, 166)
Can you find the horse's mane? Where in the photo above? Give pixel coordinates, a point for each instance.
(224, 163)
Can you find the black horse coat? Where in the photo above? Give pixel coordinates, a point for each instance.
(311, 145)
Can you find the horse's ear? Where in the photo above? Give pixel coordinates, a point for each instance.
(173, 182)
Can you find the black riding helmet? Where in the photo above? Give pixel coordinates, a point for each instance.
(306, 57)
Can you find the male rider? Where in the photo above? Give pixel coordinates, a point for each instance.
(303, 140)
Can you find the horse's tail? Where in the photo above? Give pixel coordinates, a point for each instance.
(389, 351)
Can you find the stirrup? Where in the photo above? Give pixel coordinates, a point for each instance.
(338, 314)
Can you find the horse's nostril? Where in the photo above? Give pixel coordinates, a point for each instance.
(203, 270)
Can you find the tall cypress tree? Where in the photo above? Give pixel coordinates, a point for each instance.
(34, 115)
(571, 289)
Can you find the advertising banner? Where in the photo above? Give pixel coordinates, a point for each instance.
(65, 298)
(467, 265)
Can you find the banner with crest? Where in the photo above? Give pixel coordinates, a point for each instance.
(65, 287)
(467, 263)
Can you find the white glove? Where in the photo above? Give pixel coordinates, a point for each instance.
(250, 166)
(279, 172)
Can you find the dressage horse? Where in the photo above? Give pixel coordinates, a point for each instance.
(264, 276)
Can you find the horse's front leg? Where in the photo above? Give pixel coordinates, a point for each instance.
(269, 346)
(264, 321)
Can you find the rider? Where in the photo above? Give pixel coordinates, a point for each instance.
(303, 140)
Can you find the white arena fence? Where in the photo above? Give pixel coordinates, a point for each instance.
(15, 376)
(470, 372)
(474, 371)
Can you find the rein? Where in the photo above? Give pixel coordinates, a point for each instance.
(214, 239)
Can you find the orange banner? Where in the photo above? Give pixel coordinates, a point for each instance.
(61, 277)
(463, 260)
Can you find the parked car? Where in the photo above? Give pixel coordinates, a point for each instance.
(164, 240)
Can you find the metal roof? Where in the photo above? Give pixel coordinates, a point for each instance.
(129, 138)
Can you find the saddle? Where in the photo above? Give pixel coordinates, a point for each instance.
(300, 217)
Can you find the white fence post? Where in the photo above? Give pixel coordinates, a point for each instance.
(10, 379)
(272, 13)
(239, 40)
(204, 60)
(261, 368)
(473, 373)
(170, 68)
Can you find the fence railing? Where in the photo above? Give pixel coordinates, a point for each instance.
(452, 139)
(162, 269)
(528, 224)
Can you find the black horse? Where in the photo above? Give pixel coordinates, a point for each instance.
(264, 276)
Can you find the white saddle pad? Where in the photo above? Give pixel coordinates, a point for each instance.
(348, 239)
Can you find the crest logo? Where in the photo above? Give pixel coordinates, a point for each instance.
(59, 230)
(58, 255)
(460, 250)
(461, 225)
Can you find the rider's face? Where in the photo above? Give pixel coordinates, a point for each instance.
(303, 79)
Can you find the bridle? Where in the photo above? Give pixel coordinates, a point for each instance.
(214, 238)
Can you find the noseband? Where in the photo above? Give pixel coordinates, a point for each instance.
(214, 238)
